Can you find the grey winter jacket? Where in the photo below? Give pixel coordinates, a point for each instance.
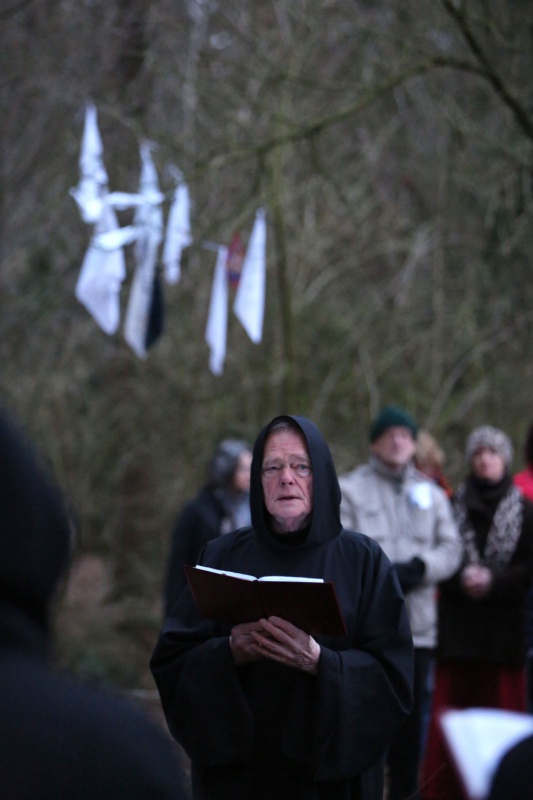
(410, 516)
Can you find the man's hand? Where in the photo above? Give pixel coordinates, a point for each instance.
(244, 647)
(281, 641)
(476, 580)
(277, 639)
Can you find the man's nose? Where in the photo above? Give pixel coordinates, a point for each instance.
(286, 474)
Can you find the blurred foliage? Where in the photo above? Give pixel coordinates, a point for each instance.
(391, 143)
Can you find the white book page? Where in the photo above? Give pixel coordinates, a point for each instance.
(479, 738)
(290, 578)
(245, 577)
(240, 575)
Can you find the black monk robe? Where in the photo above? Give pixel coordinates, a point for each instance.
(265, 730)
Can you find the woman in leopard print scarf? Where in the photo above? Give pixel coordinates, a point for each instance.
(481, 653)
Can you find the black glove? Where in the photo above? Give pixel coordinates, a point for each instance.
(410, 573)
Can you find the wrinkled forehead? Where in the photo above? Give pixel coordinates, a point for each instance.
(285, 443)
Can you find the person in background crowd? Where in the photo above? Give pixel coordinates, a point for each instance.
(429, 459)
(524, 481)
(58, 737)
(411, 518)
(221, 506)
(264, 710)
(480, 653)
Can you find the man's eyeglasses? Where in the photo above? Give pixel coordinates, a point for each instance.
(301, 470)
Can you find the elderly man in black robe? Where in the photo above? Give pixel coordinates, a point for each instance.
(264, 710)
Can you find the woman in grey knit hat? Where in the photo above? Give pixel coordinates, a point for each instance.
(481, 651)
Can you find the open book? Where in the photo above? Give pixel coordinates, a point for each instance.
(233, 597)
(477, 739)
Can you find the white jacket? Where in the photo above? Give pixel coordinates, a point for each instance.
(409, 516)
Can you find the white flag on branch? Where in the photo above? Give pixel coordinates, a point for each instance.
(249, 305)
(148, 223)
(147, 202)
(123, 200)
(91, 189)
(178, 233)
(101, 276)
(217, 320)
(117, 238)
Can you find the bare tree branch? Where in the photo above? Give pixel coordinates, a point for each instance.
(487, 69)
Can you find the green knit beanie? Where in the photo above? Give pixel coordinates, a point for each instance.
(392, 417)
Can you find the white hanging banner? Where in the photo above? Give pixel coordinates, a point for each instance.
(101, 276)
(90, 191)
(249, 305)
(148, 221)
(119, 237)
(217, 320)
(178, 233)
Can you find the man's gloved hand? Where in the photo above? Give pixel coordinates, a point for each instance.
(410, 573)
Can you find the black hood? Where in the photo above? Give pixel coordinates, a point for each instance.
(34, 532)
(326, 522)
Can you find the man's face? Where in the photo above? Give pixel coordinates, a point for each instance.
(395, 447)
(287, 480)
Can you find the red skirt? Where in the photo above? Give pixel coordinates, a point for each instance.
(465, 685)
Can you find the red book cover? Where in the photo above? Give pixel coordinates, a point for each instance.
(309, 604)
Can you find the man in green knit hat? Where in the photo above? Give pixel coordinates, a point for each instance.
(410, 516)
